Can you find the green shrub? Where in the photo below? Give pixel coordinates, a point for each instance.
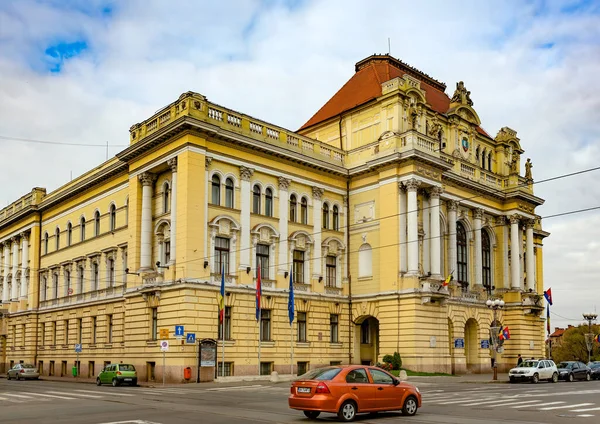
(395, 360)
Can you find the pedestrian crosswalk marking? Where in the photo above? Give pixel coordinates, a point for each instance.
(491, 403)
(537, 404)
(16, 395)
(565, 406)
(586, 409)
(74, 394)
(119, 393)
(50, 396)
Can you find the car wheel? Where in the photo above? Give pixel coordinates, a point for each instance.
(571, 378)
(98, 382)
(554, 378)
(8, 376)
(347, 411)
(535, 379)
(18, 377)
(511, 379)
(312, 415)
(410, 406)
(115, 383)
(588, 377)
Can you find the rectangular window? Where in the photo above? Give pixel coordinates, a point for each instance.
(66, 327)
(167, 245)
(43, 333)
(228, 369)
(331, 280)
(335, 363)
(55, 286)
(54, 333)
(109, 329)
(302, 326)
(51, 370)
(63, 369)
(94, 328)
(111, 272)
(334, 326)
(221, 255)
(262, 260)
(80, 280)
(365, 333)
(95, 276)
(91, 370)
(298, 266)
(265, 325)
(150, 368)
(302, 368)
(154, 323)
(266, 368)
(227, 323)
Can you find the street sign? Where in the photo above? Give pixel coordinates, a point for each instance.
(70, 292)
(190, 338)
(164, 346)
(485, 344)
(179, 331)
(459, 343)
(78, 348)
(164, 333)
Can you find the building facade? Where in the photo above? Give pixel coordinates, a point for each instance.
(388, 189)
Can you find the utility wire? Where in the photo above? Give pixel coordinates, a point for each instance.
(60, 143)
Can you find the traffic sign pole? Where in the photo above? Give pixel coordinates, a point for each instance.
(164, 368)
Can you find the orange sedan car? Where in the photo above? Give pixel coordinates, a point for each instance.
(350, 390)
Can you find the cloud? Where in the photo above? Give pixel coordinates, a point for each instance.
(531, 66)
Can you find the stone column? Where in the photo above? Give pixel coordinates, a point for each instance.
(426, 217)
(412, 186)
(530, 264)
(246, 174)
(173, 164)
(14, 294)
(5, 293)
(345, 253)
(207, 253)
(284, 185)
(147, 179)
(402, 227)
(452, 258)
(317, 224)
(24, 263)
(435, 240)
(477, 217)
(515, 260)
(501, 221)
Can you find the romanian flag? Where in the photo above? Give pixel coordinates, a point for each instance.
(258, 292)
(597, 338)
(504, 334)
(291, 308)
(222, 296)
(548, 318)
(449, 278)
(548, 296)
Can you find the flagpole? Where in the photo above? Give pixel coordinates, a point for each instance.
(259, 304)
(292, 348)
(223, 322)
(259, 336)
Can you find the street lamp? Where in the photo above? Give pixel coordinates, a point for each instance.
(494, 305)
(589, 337)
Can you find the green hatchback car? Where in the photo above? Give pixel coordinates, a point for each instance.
(117, 374)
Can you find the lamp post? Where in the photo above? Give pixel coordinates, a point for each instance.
(494, 305)
(589, 337)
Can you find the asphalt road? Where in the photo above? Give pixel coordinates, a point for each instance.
(443, 402)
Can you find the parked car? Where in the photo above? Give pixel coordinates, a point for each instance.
(595, 370)
(350, 390)
(22, 371)
(574, 370)
(117, 374)
(534, 370)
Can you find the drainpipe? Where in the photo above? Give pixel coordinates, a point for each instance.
(37, 316)
(350, 328)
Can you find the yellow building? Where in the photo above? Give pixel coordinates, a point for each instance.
(388, 189)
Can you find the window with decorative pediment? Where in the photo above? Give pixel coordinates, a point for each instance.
(112, 213)
(336, 218)
(325, 216)
(166, 197)
(365, 261)
(216, 190)
(229, 193)
(462, 261)
(293, 208)
(486, 256)
(304, 210)
(222, 255)
(269, 202)
(256, 199)
(298, 266)
(262, 260)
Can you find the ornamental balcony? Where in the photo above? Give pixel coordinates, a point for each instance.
(532, 303)
(433, 291)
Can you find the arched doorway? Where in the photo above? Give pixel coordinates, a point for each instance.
(471, 345)
(367, 340)
(451, 346)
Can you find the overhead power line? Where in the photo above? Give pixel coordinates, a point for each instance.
(59, 143)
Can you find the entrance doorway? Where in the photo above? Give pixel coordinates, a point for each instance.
(471, 345)
(367, 340)
(451, 346)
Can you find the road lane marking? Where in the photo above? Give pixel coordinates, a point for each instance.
(566, 406)
(491, 402)
(74, 394)
(220, 389)
(17, 396)
(512, 402)
(462, 401)
(51, 396)
(537, 404)
(103, 393)
(586, 410)
(11, 400)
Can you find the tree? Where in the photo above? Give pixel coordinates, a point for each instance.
(573, 346)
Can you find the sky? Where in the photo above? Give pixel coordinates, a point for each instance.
(83, 71)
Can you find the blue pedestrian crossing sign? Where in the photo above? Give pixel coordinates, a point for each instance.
(190, 338)
(179, 331)
(78, 348)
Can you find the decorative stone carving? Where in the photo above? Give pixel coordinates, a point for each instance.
(428, 173)
(453, 205)
(529, 223)
(401, 187)
(435, 192)
(501, 220)
(246, 173)
(147, 178)
(224, 226)
(461, 95)
(301, 242)
(528, 166)
(172, 164)
(413, 184)
(515, 219)
(478, 213)
(197, 105)
(284, 183)
(24, 235)
(265, 234)
(207, 162)
(345, 201)
(317, 193)
(526, 208)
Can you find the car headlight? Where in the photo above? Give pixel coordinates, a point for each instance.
(417, 389)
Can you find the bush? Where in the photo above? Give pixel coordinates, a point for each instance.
(385, 366)
(394, 360)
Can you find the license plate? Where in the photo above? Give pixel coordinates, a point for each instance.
(303, 389)
(128, 379)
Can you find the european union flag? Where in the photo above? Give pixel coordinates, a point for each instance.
(291, 298)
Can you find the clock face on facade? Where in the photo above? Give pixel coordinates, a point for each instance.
(465, 144)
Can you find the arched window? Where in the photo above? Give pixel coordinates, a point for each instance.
(96, 223)
(461, 255)
(325, 215)
(46, 243)
(486, 262)
(43, 287)
(256, 199)
(304, 211)
(269, 202)
(336, 218)
(127, 211)
(489, 162)
(69, 233)
(57, 236)
(365, 261)
(113, 217)
(477, 153)
(216, 190)
(166, 197)
(483, 155)
(229, 193)
(67, 275)
(82, 228)
(293, 208)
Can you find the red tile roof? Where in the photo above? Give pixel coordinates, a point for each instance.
(559, 332)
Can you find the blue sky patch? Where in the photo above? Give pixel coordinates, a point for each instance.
(56, 55)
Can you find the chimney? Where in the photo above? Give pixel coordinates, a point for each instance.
(556, 328)
(570, 326)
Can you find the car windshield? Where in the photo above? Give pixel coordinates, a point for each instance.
(565, 365)
(321, 374)
(594, 365)
(529, 364)
(126, 367)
